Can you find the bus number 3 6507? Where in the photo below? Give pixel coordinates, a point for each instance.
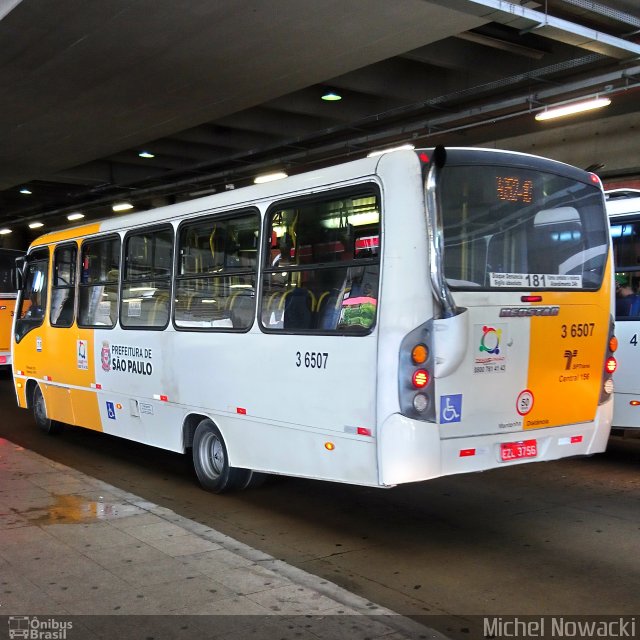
(312, 360)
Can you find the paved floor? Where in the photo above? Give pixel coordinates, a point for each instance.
(77, 551)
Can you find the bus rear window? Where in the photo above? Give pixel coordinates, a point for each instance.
(515, 228)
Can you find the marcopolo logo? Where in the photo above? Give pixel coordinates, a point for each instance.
(528, 312)
(35, 628)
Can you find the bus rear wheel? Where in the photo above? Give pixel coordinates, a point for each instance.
(211, 460)
(46, 424)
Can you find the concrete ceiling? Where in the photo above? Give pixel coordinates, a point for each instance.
(221, 89)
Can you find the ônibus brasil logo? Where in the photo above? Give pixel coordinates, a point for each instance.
(490, 340)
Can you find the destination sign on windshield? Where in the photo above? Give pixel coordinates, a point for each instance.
(535, 280)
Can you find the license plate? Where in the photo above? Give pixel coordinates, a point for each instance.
(518, 450)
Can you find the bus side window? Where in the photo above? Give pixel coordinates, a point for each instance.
(63, 287)
(98, 287)
(216, 282)
(146, 281)
(325, 274)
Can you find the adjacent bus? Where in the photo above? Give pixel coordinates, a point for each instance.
(388, 320)
(623, 206)
(7, 302)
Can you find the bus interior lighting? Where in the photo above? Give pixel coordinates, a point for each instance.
(4, 232)
(36, 225)
(146, 154)
(75, 216)
(572, 108)
(25, 191)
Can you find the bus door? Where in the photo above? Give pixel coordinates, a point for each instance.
(525, 260)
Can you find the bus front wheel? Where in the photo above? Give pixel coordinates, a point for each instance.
(211, 460)
(46, 424)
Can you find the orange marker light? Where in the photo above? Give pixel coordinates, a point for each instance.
(420, 378)
(613, 344)
(419, 354)
(329, 446)
(635, 403)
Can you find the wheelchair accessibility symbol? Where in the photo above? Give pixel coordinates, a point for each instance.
(450, 408)
(111, 411)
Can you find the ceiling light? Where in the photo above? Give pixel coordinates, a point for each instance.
(75, 216)
(4, 232)
(122, 206)
(403, 147)
(36, 225)
(270, 177)
(331, 96)
(574, 107)
(26, 191)
(147, 154)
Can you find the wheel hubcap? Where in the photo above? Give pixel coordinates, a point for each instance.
(212, 456)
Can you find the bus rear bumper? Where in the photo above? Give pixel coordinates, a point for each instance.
(410, 450)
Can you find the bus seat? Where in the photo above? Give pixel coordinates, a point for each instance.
(156, 312)
(241, 308)
(299, 305)
(328, 310)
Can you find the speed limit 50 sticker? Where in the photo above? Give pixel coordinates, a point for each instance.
(524, 403)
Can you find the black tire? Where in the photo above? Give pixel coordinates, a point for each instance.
(211, 461)
(46, 424)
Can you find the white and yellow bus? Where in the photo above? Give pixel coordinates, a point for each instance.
(7, 302)
(623, 206)
(384, 321)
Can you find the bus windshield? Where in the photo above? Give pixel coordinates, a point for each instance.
(516, 228)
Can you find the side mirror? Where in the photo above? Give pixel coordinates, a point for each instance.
(17, 274)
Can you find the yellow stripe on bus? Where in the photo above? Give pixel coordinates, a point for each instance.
(66, 234)
(566, 357)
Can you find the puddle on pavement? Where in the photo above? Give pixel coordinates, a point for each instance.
(70, 509)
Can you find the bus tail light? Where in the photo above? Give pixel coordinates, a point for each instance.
(3, 359)
(420, 378)
(415, 374)
(610, 365)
